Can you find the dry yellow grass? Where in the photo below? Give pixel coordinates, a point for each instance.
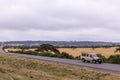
(17, 68)
(12, 49)
(77, 51)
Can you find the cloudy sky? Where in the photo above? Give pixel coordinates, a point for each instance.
(71, 20)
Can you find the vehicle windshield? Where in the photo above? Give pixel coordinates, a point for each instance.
(94, 55)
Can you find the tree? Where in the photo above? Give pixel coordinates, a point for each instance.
(23, 49)
(48, 47)
(117, 50)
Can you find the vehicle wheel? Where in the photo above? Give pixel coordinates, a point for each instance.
(83, 60)
(99, 62)
(94, 61)
(88, 61)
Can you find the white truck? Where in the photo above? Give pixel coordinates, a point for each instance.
(91, 57)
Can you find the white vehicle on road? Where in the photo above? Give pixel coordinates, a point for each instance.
(91, 57)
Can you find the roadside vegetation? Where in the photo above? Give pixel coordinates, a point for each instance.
(17, 68)
(47, 54)
(115, 59)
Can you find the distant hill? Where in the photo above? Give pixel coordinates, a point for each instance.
(63, 43)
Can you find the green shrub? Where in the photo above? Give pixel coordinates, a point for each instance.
(65, 55)
(46, 54)
(103, 57)
(78, 58)
(114, 59)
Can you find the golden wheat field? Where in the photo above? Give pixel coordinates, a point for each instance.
(77, 51)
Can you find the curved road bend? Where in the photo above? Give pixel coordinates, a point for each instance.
(103, 66)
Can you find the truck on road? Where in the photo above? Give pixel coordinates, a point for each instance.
(91, 57)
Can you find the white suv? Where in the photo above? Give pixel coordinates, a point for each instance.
(91, 57)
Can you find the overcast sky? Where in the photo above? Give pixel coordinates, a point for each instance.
(71, 20)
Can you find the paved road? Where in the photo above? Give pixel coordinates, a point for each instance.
(103, 66)
(1, 49)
